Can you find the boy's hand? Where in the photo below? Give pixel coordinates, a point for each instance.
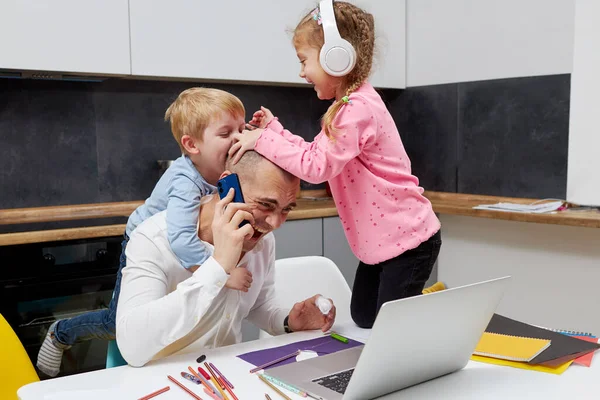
(262, 117)
(247, 141)
(239, 279)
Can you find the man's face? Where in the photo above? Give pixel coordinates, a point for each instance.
(271, 197)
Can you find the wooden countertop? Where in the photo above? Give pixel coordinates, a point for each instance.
(443, 203)
(462, 204)
(306, 208)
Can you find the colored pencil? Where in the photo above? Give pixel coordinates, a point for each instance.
(221, 374)
(154, 394)
(212, 372)
(216, 382)
(224, 382)
(221, 381)
(263, 366)
(175, 381)
(262, 378)
(197, 375)
(231, 392)
(210, 381)
(211, 394)
(284, 385)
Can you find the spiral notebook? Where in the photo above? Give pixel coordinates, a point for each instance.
(564, 348)
(512, 348)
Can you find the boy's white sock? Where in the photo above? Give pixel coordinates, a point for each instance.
(50, 355)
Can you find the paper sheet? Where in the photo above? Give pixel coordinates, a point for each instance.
(515, 364)
(322, 346)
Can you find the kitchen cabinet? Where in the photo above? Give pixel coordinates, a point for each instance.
(245, 40)
(90, 37)
(466, 40)
(303, 237)
(336, 248)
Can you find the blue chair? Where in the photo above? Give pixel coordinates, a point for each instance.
(113, 355)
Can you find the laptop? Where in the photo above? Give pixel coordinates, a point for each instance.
(413, 340)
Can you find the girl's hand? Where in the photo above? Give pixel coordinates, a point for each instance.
(262, 117)
(247, 141)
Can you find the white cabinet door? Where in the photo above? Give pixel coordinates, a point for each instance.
(227, 39)
(78, 36)
(297, 238)
(472, 40)
(389, 66)
(337, 249)
(248, 41)
(584, 141)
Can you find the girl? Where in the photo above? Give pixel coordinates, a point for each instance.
(389, 224)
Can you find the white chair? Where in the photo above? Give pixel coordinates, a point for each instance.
(299, 278)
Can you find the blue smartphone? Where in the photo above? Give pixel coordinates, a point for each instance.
(228, 182)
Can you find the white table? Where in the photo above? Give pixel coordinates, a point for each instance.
(475, 381)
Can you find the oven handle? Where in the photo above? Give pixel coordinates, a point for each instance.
(51, 319)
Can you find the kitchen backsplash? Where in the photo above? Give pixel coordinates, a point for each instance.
(84, 142)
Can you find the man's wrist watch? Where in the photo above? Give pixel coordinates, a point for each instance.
(286, 326)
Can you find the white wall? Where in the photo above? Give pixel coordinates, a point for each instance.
(555, 269)
(583, 183)
(470, 40)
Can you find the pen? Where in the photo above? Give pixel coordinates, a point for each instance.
(191, 378)
(204, 382)
(209, 381)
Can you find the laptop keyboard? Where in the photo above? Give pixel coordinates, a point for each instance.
(337, 382)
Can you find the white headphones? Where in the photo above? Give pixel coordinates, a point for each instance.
(337, 57)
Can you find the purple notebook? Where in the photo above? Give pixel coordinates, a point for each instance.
(322, 346)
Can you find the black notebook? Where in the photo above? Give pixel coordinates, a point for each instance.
(562, 348)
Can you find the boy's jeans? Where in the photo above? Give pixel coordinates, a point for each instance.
(94, 324)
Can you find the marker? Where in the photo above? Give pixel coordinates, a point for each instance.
(339, 337)
(191, 377)
(204, 382)
(208, 381)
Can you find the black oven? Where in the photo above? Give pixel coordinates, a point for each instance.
(43, 282)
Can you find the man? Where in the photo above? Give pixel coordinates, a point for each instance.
(163, 307)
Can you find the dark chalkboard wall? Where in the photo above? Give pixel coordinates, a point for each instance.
(73, 142)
